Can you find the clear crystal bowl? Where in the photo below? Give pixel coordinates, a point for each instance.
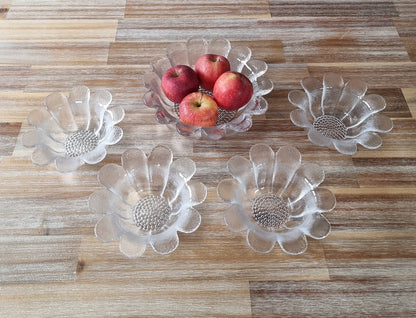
(229, 122)
(276, 198)
(339, 115)
(73, 129)
(147, 200)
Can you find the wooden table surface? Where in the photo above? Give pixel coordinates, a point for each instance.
(51, 264)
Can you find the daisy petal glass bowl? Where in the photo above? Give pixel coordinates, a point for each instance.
(73, 130)
(229, 122)
(276, 198)
(339, 115)
(147, 200)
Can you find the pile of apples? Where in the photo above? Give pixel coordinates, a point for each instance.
(230, 90)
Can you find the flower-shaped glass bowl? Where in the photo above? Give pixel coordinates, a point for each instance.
(147, 200)
(339, 115)
(276, 198)
(73, 130)
(229, 122)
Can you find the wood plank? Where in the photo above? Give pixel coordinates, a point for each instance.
(57, 30)
(18, 53)
(76, 9)
(326, 299)
(136, 9)
(8, 136)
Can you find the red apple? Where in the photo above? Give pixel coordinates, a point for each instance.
(232, 90)
(209, 67)
(198, 109)
(179, 81)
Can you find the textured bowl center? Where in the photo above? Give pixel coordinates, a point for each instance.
(151, 213)
(330, 127)
(270, 211)
(80, 142)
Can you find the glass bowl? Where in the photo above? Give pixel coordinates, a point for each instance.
(276, 198)
(147, 200)
(73, 129)
(339, 115)
(229, 122)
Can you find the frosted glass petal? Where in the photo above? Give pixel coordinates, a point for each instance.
(43, 120)
(196, 48)
(234, 218)
(242, 123)
(318, 200)
(259, 243)
(181, 201)
(318, 226)
(113, 136)
(38, 137)
(242, 170)
(166, 243)
(132, 246)
(102, 97)
(219, 46)
(185, 167)
(180, 172)
(351, 95)
(264, 85)
(198, 192)
(368, 106)
(159, 162)
(177, 54)
(68, 164)
(370, 140)
(318, 139)
(299, 99)
(293, 243)
(43, 155)
(347, 146)
(257, 68)
(104, 201)
(293, 222)
(356, 86)
(117, 113)
(332, 89)
(307, 177)
(115, 178)
(95, 156)
(106, 131)
(160, 65)
(189, 220)
(376, 123)
(79, 101)
(313, 88)
(300, 118)
(107, 228)
(238, 56)
(98, 104)
(57, 104)
(262, 157)
(134, 161)
(288, 160)
(228, 190)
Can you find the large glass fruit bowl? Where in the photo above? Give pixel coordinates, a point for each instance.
(275, 197)
(229, 122)
(339, 115)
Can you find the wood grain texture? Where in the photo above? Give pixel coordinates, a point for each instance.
(51, 265)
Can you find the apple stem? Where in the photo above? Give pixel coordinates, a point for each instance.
(200, 100)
